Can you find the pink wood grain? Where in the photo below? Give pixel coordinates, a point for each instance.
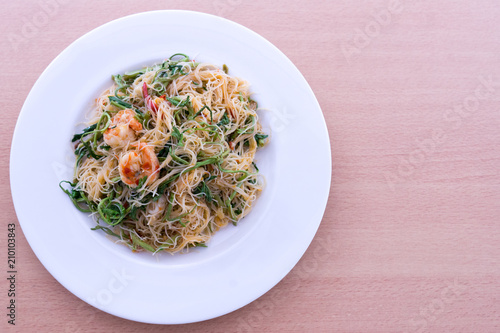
(410, 240)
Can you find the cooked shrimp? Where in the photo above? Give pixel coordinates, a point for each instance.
(123, 128)
(138, 164)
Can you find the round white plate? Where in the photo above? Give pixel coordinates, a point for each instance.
(240, 263)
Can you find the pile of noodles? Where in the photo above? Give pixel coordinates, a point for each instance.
(215, 183)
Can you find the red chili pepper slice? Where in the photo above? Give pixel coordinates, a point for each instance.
(149, 102)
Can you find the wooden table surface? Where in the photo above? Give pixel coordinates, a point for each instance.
(410, 90)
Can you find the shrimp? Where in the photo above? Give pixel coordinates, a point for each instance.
(138, 164)
(123, 129)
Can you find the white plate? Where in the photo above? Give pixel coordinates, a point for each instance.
(241, 263)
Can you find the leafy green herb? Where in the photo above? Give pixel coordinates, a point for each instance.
(161, 189)
(139, 115)
(84, 149)
(170, 205)
(169, 211)
(261, 139)
(201, 110)
(170, 70)
(133, 212)
(106, 230)
(178, 135)
(131, 76)
(84, 133)
(177, 158)
(138, 242)
(184, 59)
(244, 172)
(165, 150)
(105, 147)
(163, 186)
(121, 84)
(118, 102)
(78, 197)
(118, 78)
(250, 122)
(253, 104)
(142, 181)
(176, 101)
(204, 190)
(224, 120)
(111, 212)
(185, 102)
